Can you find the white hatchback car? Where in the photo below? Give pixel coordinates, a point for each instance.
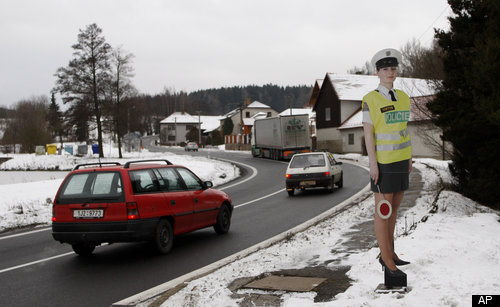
(191, 146)
(313, 169)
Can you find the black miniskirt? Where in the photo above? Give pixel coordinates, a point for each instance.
(393, 177)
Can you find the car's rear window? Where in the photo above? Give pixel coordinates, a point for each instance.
(92, 187)
(315, 160)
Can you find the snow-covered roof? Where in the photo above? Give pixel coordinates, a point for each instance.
(356, 120)
(259, 115)
(354, 87)
(258, 105)
(254, 105)
(210, 123)
(299, 111)
(418, 112)
(250, 121)
(231, 113)
(180, 118)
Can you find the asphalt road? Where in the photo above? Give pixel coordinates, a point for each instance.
(35, 270)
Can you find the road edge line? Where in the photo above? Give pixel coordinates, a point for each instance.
(254, 170)
(162, 288)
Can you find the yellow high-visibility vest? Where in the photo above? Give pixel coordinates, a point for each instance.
(390, 119)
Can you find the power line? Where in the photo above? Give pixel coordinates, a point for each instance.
(430, 26)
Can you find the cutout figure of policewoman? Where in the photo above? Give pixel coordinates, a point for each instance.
(386, 112)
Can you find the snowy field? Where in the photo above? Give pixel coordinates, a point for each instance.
(454, 254)
(29, 202)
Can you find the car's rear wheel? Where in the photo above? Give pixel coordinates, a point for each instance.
(341, 181)
(83, 249)
(331, 186)
(164, 237)
(223, 220)
(291, 192)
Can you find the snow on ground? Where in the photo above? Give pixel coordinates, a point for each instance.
(454, 255)
(29, 203)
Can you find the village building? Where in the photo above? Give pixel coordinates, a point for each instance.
(131, 142)
(244, 117)
(339, 125)
(174, 128)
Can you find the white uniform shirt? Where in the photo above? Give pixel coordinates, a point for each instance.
(385, 92)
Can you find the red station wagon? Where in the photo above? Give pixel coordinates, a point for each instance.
(138, 201)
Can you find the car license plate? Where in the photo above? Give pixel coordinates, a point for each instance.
(88, 214)
(308, 182)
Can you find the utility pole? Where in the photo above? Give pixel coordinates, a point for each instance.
(175, 125)
(199, 129)
(241, 126)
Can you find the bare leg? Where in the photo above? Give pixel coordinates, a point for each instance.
(382, 233)
(397, 198)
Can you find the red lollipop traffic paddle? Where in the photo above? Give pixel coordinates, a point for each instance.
(384, 207)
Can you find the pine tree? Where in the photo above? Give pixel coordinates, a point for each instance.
(468, 106)
(54, 117)
(227, 126)
(88, 75)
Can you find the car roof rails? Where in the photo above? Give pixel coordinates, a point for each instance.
(127, 165)
(96, 163)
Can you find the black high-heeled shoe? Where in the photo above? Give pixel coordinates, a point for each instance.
(394, 278)
(398, 262)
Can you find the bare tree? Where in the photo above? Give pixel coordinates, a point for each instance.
(417, 62)
(366, 69)
(421, 62)
(32, 132)
(122, 89)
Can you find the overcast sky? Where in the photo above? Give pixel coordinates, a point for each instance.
(199, 44)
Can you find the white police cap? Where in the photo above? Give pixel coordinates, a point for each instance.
(386, 58)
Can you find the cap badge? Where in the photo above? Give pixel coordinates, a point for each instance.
(387, 53)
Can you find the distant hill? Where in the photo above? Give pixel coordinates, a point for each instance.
(222, 100)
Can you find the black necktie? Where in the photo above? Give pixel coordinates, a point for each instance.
(393, 98)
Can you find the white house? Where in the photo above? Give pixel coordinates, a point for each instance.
(242, 115)
(174, 128)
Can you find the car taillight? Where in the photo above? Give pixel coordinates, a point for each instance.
(53, 214)
(132, 211)
(327, 174)
(288, 176)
